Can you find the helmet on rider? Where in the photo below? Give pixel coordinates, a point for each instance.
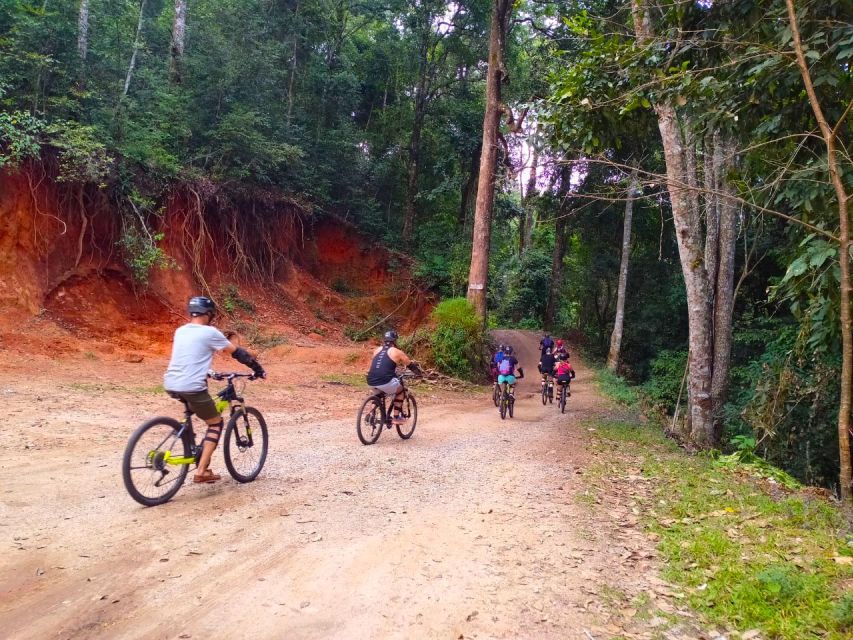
(390, 337)
(201, 306)
(559, 343)
(508, 350)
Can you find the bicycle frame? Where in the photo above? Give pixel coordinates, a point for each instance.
(227, 395)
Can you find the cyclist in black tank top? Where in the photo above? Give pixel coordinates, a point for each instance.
(383, 370)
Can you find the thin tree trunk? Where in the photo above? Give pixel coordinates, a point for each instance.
(469, 191)
(478, 274)
(559, 253)
(619, 321)
(724, 279)
(845, 478)
(526, 227)
(179, 29)
(83, 30)
(410, 209)
(136, 44)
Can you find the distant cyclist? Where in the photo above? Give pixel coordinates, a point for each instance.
(546, 365)
(561, 353)
(546, 343)
(193, 348)
(564, 374)
(382, 374)
(506, 370)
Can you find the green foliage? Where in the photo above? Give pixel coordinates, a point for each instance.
(666, 376)
(458, 341)
(230, 301)
(616, 388)
(142, 254)
(19, 138)
(83, 158)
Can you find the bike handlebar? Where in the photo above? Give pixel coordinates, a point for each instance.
(230, 376)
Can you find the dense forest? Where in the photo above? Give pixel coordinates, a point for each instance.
(665, 183)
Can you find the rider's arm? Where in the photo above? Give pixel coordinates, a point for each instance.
(399, 357)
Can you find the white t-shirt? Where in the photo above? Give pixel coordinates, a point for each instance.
(192, 353)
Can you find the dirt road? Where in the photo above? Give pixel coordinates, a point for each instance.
(473, 528)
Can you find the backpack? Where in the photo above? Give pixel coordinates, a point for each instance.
(547, 344)
(505, 367)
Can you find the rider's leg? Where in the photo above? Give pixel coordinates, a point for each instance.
(209, 444)
(398, 402)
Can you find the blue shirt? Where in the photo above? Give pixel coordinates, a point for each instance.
(498, 357)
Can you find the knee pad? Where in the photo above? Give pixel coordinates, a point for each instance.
(214, 431)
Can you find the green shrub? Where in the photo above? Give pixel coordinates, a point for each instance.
(842, 612)
(142, 254)
(662, 387)
(458, 341)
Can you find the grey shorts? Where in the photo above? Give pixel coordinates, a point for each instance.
(390, 388)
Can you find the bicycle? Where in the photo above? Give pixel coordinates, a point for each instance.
(547, 389)
(564, 388)
(507, 402)
(162, 446)
(375, 414)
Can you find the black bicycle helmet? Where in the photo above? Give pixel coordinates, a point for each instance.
(390, 337)
(201, 305)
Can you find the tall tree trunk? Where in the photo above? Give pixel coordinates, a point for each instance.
(410, 208)
(136, 44)
(829, 134)
(478, 275)
(83, 30)
(619, 321)
(525, 230)
(179, 30)
(469, 190)
(679, 163)
(723, 281)
(559, 253)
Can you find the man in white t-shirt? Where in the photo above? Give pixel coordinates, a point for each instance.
(193, 349)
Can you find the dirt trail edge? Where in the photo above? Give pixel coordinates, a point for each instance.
(475, 527)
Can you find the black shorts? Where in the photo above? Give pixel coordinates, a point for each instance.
(199, 402)
(566, 379)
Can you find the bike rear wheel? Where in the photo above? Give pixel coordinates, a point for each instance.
(145, 469)
(410, 411)
(562, 398)
(246, 444)
(544, 393)
(370, 420)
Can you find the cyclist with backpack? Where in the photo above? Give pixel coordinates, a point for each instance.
(564, 374)
(546, 366)
(561, 353)
(496, 360)
(506, 371)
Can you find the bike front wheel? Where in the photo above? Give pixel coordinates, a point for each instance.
(148, 473)
(511, 405)
(369, 423)
(410, 412)
(496, 394)
(246, 444)
(502, 408)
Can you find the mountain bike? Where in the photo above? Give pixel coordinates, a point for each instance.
(159, 453)
(548, 390)
(507, 403)
(375, 414)
(564, 388)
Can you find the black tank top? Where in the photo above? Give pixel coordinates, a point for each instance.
(382, 369)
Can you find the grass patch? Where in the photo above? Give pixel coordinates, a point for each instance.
(743, 558)
(616, 388)
(349, 379)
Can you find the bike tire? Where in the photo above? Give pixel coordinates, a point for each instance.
(233, 440)
(544, 394)
(496, 395)
(502, 408)
(410, 410)
(374, 418)
(563, 399)
(137, 492)
(511, 407)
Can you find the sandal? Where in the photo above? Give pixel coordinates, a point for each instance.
(206, 478)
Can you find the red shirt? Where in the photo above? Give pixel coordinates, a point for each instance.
(564, 368)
